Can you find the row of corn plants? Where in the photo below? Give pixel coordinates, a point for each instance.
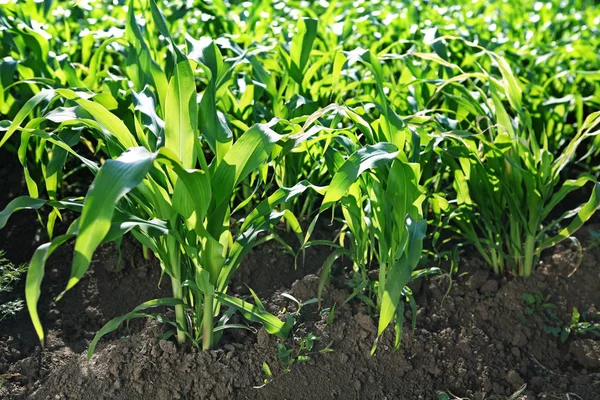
(204, 126)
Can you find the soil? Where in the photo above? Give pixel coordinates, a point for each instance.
(478, 341)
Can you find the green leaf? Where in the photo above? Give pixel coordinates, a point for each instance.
(35, 274)
(272, 324)
(123, 222)
(20, 203)
(114, 323)
(511, 84)
(251, 150)
(371, 156)
(197, 184)
(213, 124)
(115, 179)
(280, 196)
(326, 271)
(568, 186)
(584, 214)
(44, 95)
(398, 277)
(110, 122)
(181, 120)
(267, 370)
(30, 203)
(301, 46)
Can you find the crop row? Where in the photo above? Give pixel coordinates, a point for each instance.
(416, 127)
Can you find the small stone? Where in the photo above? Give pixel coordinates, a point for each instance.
(155, 352)
(586, 352)
(537, 383)
(229, 347)
(483, 312)
(487, 384)
(464, 347)
(490, 286)
(168, 347)
(477, 279)
(434, 370)
(141, 273)
(519, 339)
(306, 288)
(366, 322)
(262, 338)
(516, 352)
(514, 379)
(582, 380)
(357, 386)
(92, 313)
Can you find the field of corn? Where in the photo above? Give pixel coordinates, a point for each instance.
(325, 199)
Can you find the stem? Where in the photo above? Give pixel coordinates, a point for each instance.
(495, 263)
(529, 249)
(207, 325)
(382, 283)
(174, 258)
(484, 254)
(147, 253)
(179, 312)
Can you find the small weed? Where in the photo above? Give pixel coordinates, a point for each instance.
(536, 304)
(300, 353)
(10, 275)
(594, 239)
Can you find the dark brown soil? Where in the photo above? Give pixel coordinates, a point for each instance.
(476, 342)
(470, 343)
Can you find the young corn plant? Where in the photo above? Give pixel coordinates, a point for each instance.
(158, 185)
(508, 183)
(378, 192)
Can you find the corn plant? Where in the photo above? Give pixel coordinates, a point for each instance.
(150, 186)
(507, 182)
(378, 191)
(506, 193)
(383, 213)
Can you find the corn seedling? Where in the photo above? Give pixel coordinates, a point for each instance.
(507, 182)
(149, 186)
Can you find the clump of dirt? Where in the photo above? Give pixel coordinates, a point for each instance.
(267, 268)
(475, 342)
(109, 289)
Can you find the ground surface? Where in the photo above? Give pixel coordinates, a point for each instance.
(473, 342)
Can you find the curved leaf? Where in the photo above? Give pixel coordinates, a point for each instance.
(114, 180)
(272, 324)
(584, 214)
(181, 120)
(44, 95)
(35, 274)
(30, 203)
(114, 323)
(371, 156)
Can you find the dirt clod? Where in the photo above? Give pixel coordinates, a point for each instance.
(490, 286)
(586, 352)
(473, 342)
